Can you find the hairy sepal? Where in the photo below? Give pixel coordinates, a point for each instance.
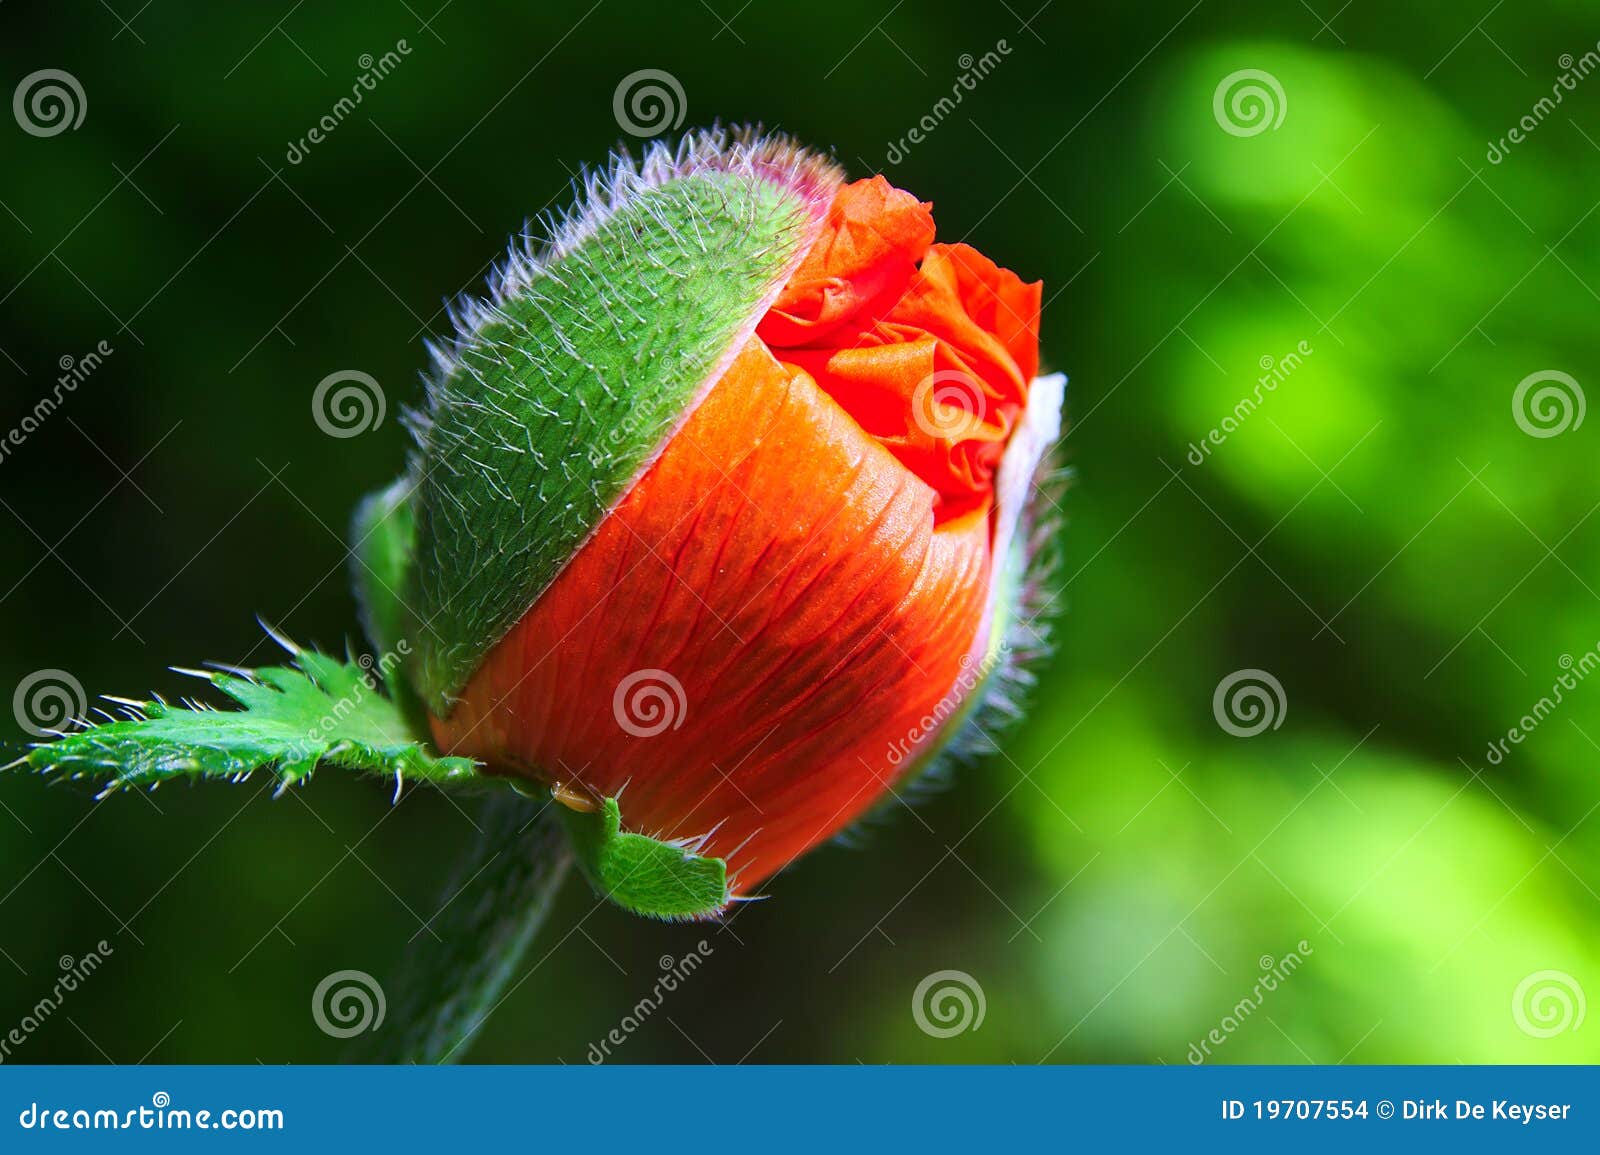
(560, 390)
(643, 875)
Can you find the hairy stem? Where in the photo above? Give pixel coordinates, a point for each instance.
(492, 908)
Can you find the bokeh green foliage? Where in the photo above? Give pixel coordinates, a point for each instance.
(1379, 534)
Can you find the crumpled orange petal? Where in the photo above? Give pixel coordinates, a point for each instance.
(868, 251)
(930, 347)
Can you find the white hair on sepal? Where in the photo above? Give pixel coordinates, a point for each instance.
(599, 194)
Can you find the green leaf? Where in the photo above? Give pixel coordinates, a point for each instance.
(644, 875)
(321, 710)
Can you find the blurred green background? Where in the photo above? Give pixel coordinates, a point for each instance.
(1379, 534)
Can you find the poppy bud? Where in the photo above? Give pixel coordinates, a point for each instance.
(723, 497)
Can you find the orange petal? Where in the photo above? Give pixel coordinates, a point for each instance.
(779, 566)
(930, 347)
(995, 300)
(927, 405)
(980, 309)
(868, 250)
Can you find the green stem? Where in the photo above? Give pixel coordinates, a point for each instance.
(492, 908)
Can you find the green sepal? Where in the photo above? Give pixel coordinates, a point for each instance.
(319, 711)
(382, 540)
(383, 535)
(644, 875)
(559, 390)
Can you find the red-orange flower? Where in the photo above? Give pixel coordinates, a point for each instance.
(773, 623)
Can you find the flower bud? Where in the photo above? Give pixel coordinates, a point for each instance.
(722, 501)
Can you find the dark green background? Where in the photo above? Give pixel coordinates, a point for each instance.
(1380, 535)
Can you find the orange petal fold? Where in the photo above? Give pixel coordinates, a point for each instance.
(930, 347)
(779, 568)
